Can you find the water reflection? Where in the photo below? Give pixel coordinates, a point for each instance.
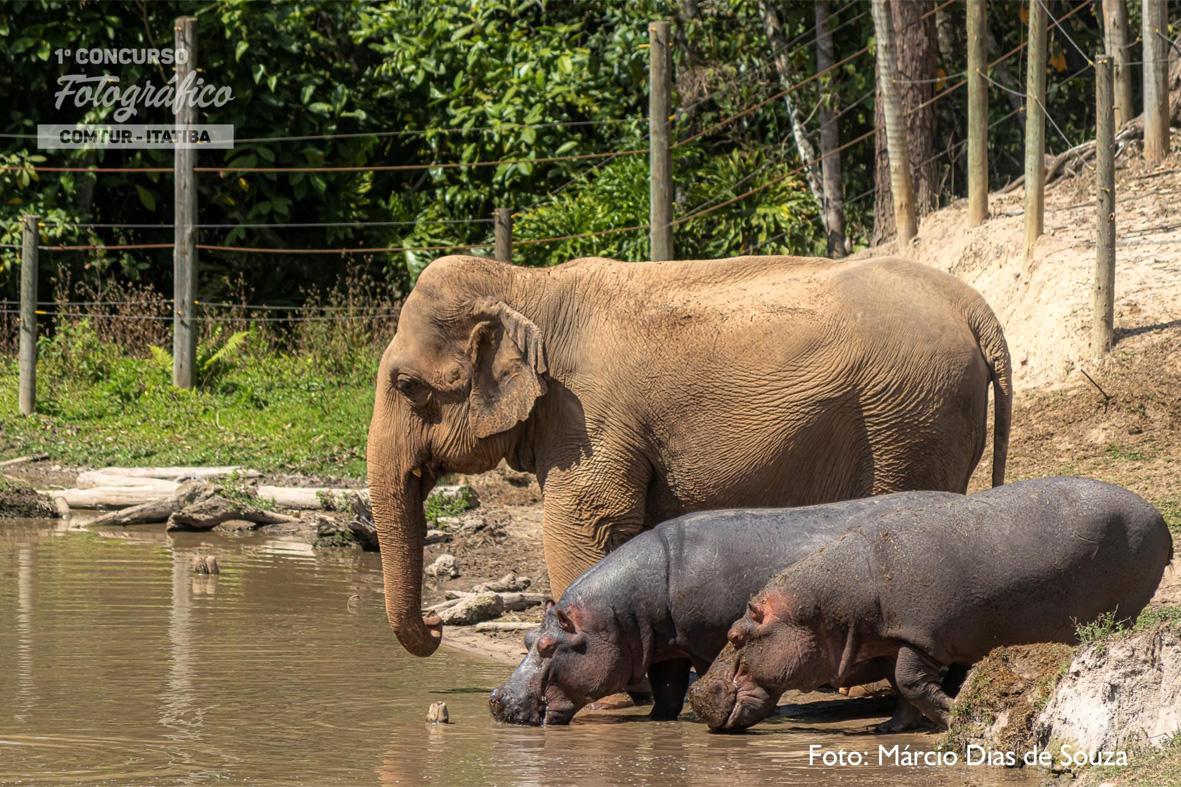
(24, 633)
(126, 668)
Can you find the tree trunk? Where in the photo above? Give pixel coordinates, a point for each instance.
(915, 42)
(833, 206)
(774, 27)
(1115, 40)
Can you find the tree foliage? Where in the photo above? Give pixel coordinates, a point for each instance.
(455, 82)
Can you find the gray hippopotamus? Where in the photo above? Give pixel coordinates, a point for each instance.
(939, 580)
(659, 605)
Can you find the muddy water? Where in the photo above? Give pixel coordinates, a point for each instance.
(118, 665)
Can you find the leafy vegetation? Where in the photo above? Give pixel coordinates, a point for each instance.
(271, 411)
(458, 83)
(440, 506)
(1107, 627)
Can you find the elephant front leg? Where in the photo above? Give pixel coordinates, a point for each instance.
(918, 679)
(586, 516)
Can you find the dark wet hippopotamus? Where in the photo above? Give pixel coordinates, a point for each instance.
(657, 606)
(937, 580)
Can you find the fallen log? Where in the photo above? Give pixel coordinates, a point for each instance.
(305, 498)
(108, 497)
(175, 473)
(474, 608)
(207, 512)
(145, 513)
(94, 479)
(506, 625)
(20, 460)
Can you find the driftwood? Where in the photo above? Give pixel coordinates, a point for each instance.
(462, 606)
(506, 625)
(108, 496)
(195, 505)
(211, 509)
(508, 583)
(20, 460)
(474, 608)
(1071, 161)
(176, 474)
(157, 510)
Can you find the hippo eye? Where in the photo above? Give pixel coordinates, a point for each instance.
(755, 612)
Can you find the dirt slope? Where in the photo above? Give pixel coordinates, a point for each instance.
(1045, 304)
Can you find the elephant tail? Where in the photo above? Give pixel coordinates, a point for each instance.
(991, 340)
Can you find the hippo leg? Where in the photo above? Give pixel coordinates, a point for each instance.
(906, 716)
(918, 680)
(670, 681)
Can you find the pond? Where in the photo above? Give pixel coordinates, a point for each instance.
(119, 665)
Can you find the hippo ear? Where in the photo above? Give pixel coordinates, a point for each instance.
(549, 602)
(754, 611)
(565, 622)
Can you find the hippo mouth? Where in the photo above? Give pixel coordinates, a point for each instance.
(544, 705)
(512, 709)
(752, 703)
(731, 703)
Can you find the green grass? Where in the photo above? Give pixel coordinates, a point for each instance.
(270, 412)
(1147, 767)
(1170, 509)
(440, 506)
(1105, 628)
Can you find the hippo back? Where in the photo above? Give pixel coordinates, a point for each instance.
(1022, 563)
(696, 572)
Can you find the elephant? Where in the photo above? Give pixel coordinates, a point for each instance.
(638, 392)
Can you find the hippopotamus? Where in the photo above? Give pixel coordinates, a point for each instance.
(658, 606)
(934, 580)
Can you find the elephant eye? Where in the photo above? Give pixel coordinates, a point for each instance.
(412, 388)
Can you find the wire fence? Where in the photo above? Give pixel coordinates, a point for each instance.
(735, 194)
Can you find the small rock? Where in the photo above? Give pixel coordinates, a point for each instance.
(205, 564)
(436, 537)
(444, 567)
(437, 713)
(510, 582)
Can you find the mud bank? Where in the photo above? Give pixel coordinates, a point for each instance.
(19, 500)
(1101, 710)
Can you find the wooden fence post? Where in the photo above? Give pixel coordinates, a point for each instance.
(184, 254)
(503, 224)
(660, 189)
(1103, 328)
(977, 113)
(1035, 127)
(1156, 91)
(900, 175)
(28, 316)
(1115, 42)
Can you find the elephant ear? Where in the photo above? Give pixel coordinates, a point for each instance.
(508, 358)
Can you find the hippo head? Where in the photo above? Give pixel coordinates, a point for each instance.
(571, 662)
(770, 650)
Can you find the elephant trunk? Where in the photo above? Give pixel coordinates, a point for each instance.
(397, 500)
